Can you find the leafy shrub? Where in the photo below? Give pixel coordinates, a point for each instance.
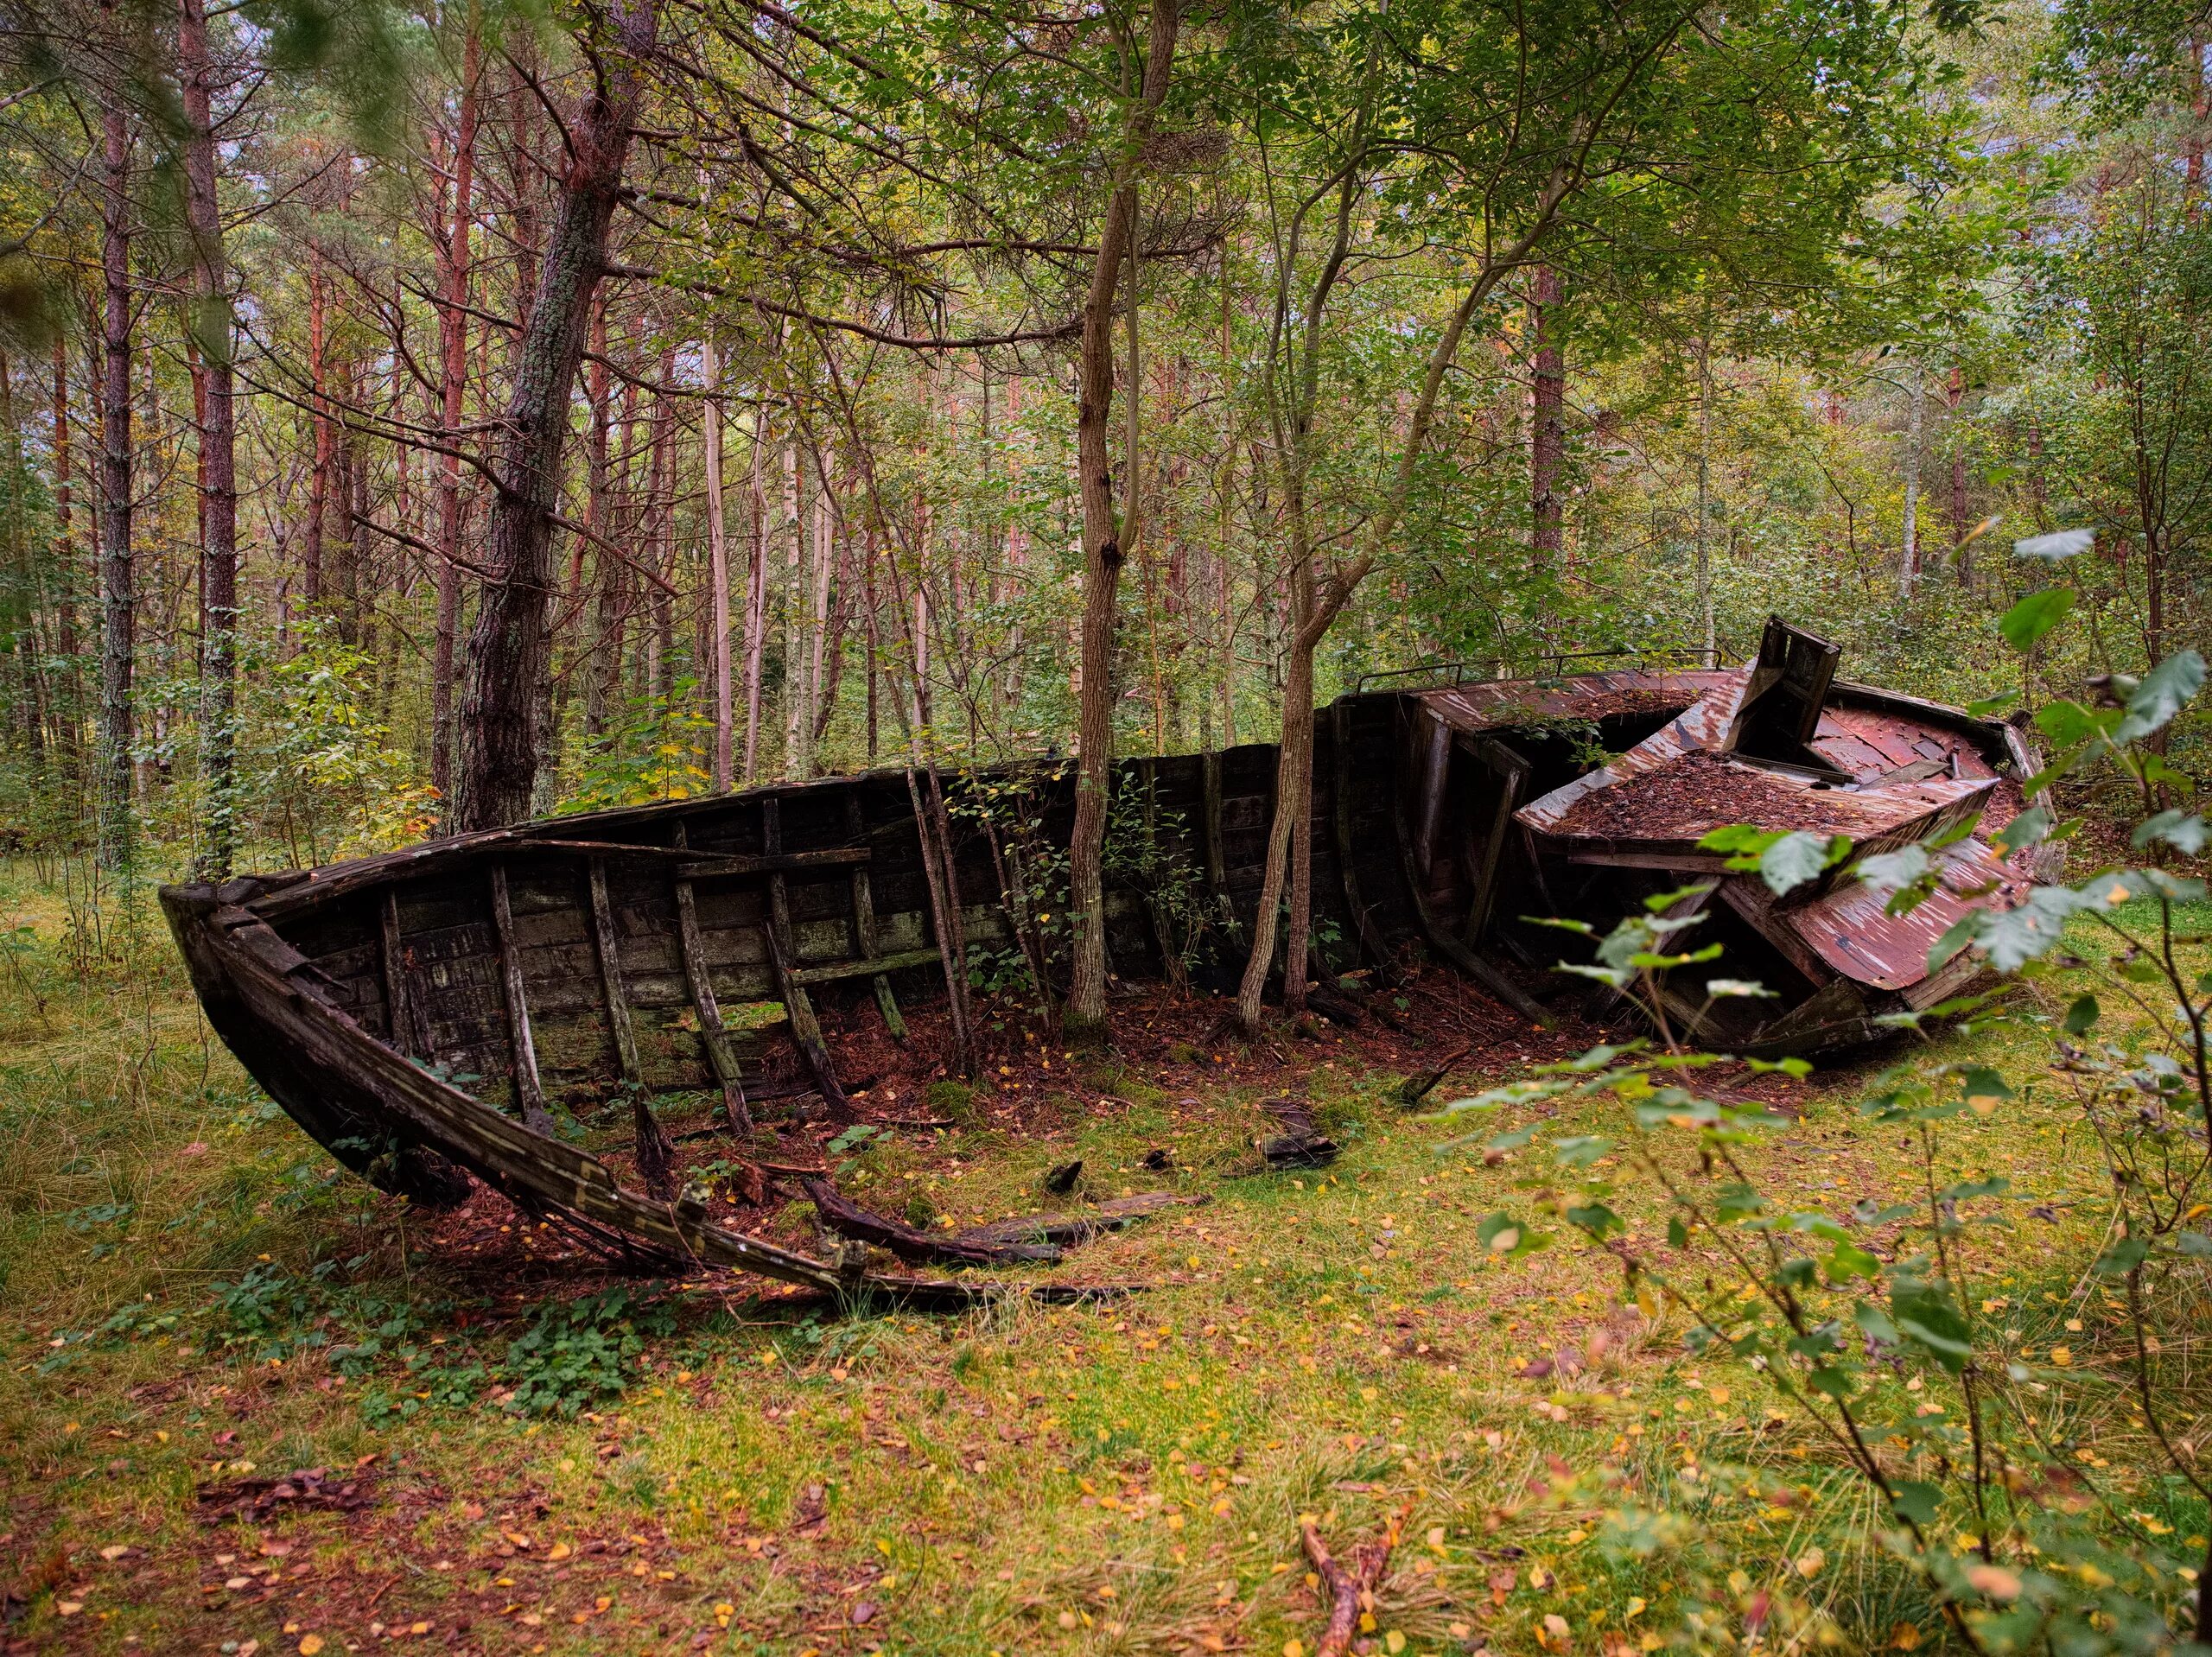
(1968, 1447)
(578, 1352)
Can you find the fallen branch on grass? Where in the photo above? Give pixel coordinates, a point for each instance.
(1419, 1085)
(1350, 1591)
(1301, 1144)
(1068, 1231)
(849, 1219)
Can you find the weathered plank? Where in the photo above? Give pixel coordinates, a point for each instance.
(619, 1023)
(864, 933)
(712, 1036)
(1377, 947)
(1512, 773)
(806, 1029)
(403, 1025)
(528, 1092)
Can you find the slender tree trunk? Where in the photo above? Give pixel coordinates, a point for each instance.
(69, 722)
(325, 434)
(603, 671)
(453, 375)
(1085, 1019)
(1548, 433)
(1909, 566)
(1709, 636)
(501, 735)
(718, 567)
(119, 596)
(756, 590)
(1955, 391)
(219, 496)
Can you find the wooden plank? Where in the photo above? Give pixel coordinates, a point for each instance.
(528, 1092)
(806, 1029)
(1216, 863)
(1451, 949)
(1513, 775)
(864, 934)
(1363, 927)
(619, 1023)
(404, 1023)
(712, 1036)
(323, 885)
(875, 966)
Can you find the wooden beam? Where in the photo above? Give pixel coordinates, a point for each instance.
(1513, 775)
(837, 971)
(406, 1028)
(1451, 949)
(528, 1092)
(806, 1029)
(321, 887)
(864, 937)
(1363, 926)
(712, 1034)
(619, 1023)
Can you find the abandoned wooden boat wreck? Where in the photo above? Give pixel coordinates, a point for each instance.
(426, 1015)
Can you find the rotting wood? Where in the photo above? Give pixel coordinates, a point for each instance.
(806, 1029)
(1418, 1085)
(1512, 773)
(1350, 1593)
(1376, 947)
(403, 1017)
(619, 1024)
(312, 888)
(849, 1219)
(942, 879)
(1301, 1144)
(713, 1036)
(1216, 857)
(654, 1150)
(529, 1095)
(1451, 949)
(864, 933)
(873, 966)
(1071, 1230)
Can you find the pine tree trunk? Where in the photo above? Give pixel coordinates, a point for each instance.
(452, 376)
(71, 713)
(501, 733)
(325, 437)
(756, 590)
(1085, 1019)
(718, 566)
(219, 498)
(119, 597)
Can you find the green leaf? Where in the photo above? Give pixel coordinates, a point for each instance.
(1597, 1219)
(1917, 1502)
(1875, 1324)
(1992, 705)
(2081, 1015)
(2161, 693)
(2030, 827)
(1848, 1261)
(1678, 1235)
(1927, 1316)
(2123, 1257)
(1797, 857)
(2183, 831)
(2026, 623)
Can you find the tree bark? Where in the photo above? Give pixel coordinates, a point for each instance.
(756, 589)
(1548, 433)
(452, 376)
(70, 714)
(118, 600)
(1085, 1019)
(324, 434)
(501, 716)
(218, 499)
(718, 567)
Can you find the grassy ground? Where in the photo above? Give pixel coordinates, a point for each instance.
(194, 1303)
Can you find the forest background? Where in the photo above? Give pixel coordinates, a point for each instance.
(419, 415)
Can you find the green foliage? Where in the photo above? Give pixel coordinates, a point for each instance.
(1983, 1502)
(579, 1351)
